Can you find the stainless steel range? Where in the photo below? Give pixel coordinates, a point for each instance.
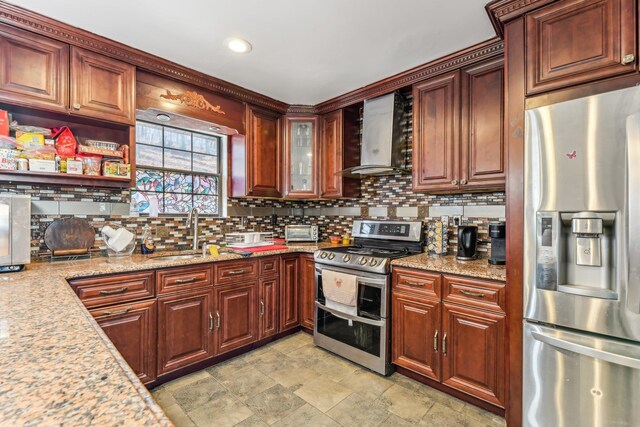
(352, 291)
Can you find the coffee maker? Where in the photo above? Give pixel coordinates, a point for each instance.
(467, 241)
(498, 235)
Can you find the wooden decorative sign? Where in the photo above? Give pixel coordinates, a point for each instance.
(193, 99)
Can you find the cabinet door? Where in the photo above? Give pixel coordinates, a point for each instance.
(264, 153)
(236, 316)
(578, 41)
(331, 155)
(268, 307)
(101, 87)
(482, 138)
(132, 330)
(415, 334)
(473, 352)
(289, 292)
(436, 133)
(307, 290)
(185, 327)
(34, 70)
(301, 157)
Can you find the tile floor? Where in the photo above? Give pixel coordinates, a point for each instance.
(293, 383)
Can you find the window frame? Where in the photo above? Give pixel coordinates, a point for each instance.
(162, 170)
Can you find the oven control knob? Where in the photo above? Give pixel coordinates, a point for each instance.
(323, 255)
(346, 258)
(331, 256)
(363, 260)
(373, 262)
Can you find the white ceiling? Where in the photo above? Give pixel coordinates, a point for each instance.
(304, 51)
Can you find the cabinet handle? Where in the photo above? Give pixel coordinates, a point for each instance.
(235, 272)
(463, 182)
(435, 342)
(444, 344)
(217, 319)
(115, 291)
(628, 59)
(472, 294)
(109, 313)
(418, 284)
(210, 322)
(183, 281)
(76, 106)
(261, 308)
(454, 182)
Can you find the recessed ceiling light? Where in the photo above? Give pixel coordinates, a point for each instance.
(163, 117)
(239, 45)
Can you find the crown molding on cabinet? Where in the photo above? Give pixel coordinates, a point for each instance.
(501, 11)
(302, 109)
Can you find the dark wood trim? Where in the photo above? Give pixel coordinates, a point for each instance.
(63, 179)
(308, 110)
(514, 140)
(462, 58)
(40, 24)
(450, 391)
(503, 11)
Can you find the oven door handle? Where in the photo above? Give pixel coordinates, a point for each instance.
(346, 316)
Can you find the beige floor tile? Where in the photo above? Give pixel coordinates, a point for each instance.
(288, 344)
(424, 390)
(323, 393)
(483, 416)
(224, 411)
(247, 382)
(267, 361)
(252, 421)
(196, 394)
(359, 410)
(334, 368)
(163, 396)
(227, 368)
(177, 416)
(274, 404)
(367, 383)
(290, 376)
(440, 415)
(187, 379)
(308, 338)
(395, 421)
(306, 415)
(405, 403)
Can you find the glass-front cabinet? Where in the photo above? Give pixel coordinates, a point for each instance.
(301, 157)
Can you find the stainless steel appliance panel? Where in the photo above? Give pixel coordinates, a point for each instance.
(15, 229)
(575, 379)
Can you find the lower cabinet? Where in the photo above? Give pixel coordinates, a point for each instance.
(236, 316)
(132, 330)
(268, 320)
(289, 295)
(185, 329)
(307, 290)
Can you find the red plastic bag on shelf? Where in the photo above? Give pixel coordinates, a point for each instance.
(65, 141)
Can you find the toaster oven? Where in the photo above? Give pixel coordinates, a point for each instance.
(301, 233)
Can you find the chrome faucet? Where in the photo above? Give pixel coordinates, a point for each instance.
(192, 221)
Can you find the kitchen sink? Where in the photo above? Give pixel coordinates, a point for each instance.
(175, 257)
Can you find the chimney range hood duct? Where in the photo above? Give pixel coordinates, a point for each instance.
(382, 138)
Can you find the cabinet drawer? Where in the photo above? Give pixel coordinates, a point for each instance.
(416, 282)
(97, 291)
(269, 266)
(474, 292)
(184, 278)
(230, 272)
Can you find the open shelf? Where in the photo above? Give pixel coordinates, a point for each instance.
(55, 178)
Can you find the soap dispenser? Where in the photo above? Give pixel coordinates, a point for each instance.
(147, 246)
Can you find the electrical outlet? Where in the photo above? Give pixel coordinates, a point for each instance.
(162, 231)
(457, 220)
(445, 219)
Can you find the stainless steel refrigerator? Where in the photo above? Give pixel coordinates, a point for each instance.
(582, 262)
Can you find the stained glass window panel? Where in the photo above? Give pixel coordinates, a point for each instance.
(143, 201)
(148, 155)
(147, 133)
(205, 144)
(175, 182)
(174, 159)
(177, 203)
(149, 180)
(206, 164)
(206, 204)
(178, 139)
(203, 184)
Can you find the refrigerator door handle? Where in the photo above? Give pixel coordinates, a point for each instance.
(588, 351)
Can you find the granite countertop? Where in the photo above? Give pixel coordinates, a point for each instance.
(56, 364)
(478, 268)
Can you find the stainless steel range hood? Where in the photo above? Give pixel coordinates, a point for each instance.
(383, 141)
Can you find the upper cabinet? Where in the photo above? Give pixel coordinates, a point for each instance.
(339, 150)
(301, 157)
(34, 70)
(579, 41)
(458, 137)
(101, 87)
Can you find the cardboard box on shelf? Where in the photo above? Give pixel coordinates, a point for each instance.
(74, 167)
(8, 159)
(116, 169)
(37, 165)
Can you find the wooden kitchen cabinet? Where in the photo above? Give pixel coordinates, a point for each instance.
(301, 157)
(268, 306)
(236, 316)
(307, 290)
(339, 150)
(115, 288)
(415, 334)
(34, 70)
(102, 87)
(289, 292)
(185, 329)
(579, 41)
(131, 327)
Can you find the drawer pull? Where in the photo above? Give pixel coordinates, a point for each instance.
(210, 322)
(115, 291)
(628, 59)
(472, 294)
(183, 281)
(444, 344)
(418, 284)
(110, 313)
(261, 308)
(435, 341)
(235, 272)
(218, 319)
